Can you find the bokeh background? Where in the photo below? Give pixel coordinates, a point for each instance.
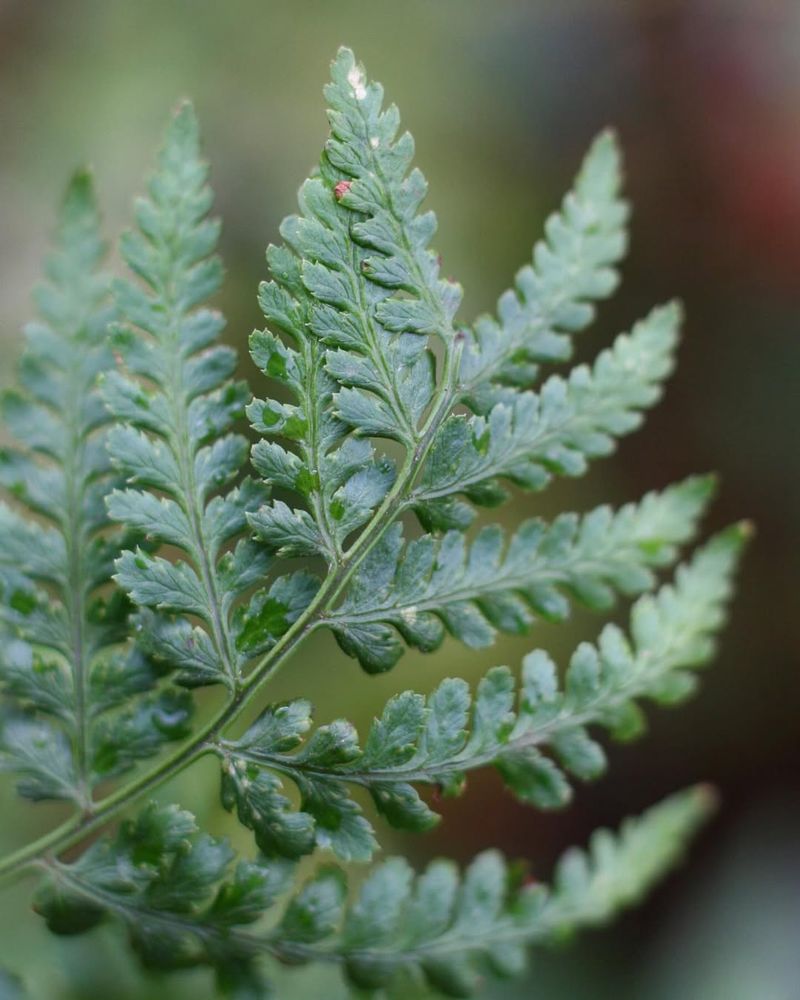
(503, 98)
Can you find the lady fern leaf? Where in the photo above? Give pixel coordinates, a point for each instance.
(175, 403)
(437, 741)
(184, 904)
(422, 588)
(109, 615)
(77, 709)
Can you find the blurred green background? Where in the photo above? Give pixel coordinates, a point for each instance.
(503, 98)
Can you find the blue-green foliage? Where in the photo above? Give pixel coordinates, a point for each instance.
(80, 707)
(427, 586)
(176, 401)
(156, 543)
(356, 289)
(436, 741)
(527, 437)
(184, 904)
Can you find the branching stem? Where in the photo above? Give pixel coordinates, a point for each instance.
(79, 827)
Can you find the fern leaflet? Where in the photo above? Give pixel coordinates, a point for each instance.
(436, 741)
(183, 906)
(82, 708)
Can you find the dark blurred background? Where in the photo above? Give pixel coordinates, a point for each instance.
(503, 99)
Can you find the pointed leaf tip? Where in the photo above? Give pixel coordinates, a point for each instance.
(183, 130)
(602, 164)
(674, 307)
(733, 538)
(703, 486)
(706, 798)
(81, 184)
(608, 140)
(343, 63)
(185, 106)
(79, 210)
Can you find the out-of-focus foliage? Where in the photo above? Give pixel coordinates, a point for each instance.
(79, 709)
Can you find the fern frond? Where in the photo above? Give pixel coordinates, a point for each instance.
(414, 592)
(357, 290)
(573, 267)
(172, 887)
(175, 405)
(530, 436)
(364, 348)
(183, 906)
(436, 741)
(363, 147)
(68, 724)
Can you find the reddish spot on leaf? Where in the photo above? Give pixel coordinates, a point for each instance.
(341, 189)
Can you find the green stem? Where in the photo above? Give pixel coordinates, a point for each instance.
(311, 449)
(74, 595)
(191, 501)
(81, 826)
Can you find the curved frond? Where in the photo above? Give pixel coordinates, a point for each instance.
(414, 592)
(174, 890)
(138, 559)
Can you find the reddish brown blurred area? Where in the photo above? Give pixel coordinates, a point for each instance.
(727, 147)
